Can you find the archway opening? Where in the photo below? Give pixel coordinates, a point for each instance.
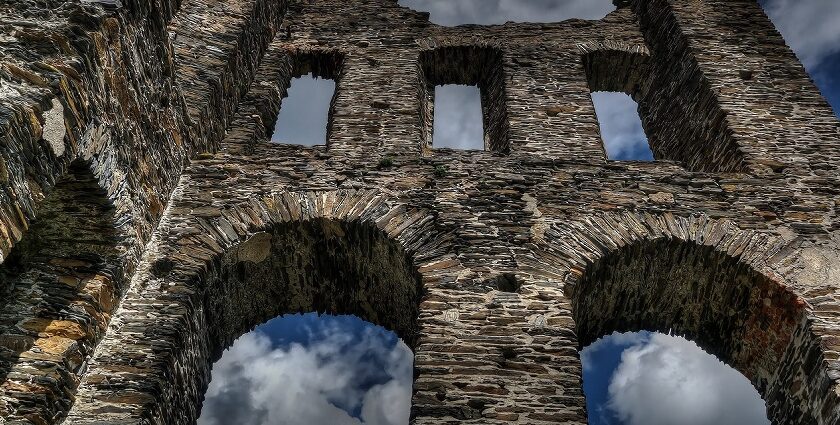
(744, 318)
(324, 266)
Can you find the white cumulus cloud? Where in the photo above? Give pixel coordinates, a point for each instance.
(670, 380)
(254, 383)
(810, 27)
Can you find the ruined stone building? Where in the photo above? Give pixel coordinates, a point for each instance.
(146, 221)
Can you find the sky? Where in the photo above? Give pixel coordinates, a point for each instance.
(463, 127)
(304, 119)
(646, 378)
(308, 370)
(312, 370)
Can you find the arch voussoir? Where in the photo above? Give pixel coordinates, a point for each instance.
(778, 339)
(155, 359)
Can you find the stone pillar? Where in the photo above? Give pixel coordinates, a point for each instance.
(497, 356)
(376, 106)
(550, 106)
(750, 104)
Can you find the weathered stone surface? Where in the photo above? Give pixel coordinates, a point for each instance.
(146, 221)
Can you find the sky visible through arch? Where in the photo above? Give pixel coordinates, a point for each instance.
(306, 370)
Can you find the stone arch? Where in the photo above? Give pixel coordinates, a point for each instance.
(323, 265)
(710, 281)
(218, 289)
(58, 288)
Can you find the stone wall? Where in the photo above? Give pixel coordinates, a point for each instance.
(149, 124)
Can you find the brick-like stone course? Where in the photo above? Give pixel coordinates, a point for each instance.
(159, 223)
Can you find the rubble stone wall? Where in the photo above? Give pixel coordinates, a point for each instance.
(146, 220)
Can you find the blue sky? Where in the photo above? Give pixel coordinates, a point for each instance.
(311, 370)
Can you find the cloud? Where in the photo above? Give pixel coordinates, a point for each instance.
(458, 119)
(304, 112)
(670, 380)
(256, 383)
(609, 342)
(488, 12)
(810, 27)
(621, 127)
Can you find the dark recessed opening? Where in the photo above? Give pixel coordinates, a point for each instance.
(507, 282)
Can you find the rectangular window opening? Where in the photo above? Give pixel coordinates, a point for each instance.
(621, 127)
(463, 99)
(304, 113)
(458, 121)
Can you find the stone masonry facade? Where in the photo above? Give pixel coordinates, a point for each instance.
(146, 221)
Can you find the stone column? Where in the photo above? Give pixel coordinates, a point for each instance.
(497, 356)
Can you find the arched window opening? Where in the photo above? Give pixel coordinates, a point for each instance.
(747, 320)
(621, 127)
(311, 369)
(58, 287)
(653, 378)
(493, 12)
(308, 87)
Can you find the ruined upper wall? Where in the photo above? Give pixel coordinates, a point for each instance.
(536, 80)
(714, 81)
(109, 83)
(93, 87)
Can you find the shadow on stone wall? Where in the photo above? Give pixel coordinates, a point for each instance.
(59, 287)
(746, 319)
